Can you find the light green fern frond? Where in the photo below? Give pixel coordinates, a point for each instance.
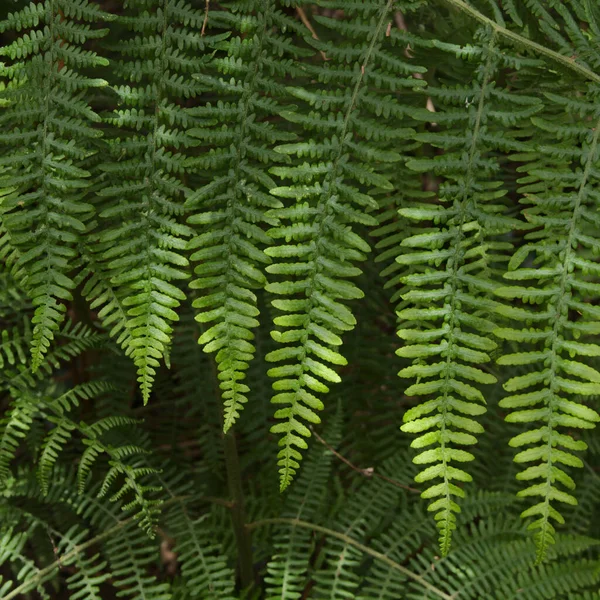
(142, 238)
(555, 275)
(446, 321)
(316, 244)
(231, 210)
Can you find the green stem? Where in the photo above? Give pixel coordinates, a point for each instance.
(566, 61)
(238, 513)
(352, 542)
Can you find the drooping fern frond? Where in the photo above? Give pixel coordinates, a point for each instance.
(47, 125)
(555, 275)
(230, 211)
(142, 238)
(316, 245)
(445, 321)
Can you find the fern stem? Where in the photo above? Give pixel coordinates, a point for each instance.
(366, 472)
(238, 513)
(352, 542)
(566, 61)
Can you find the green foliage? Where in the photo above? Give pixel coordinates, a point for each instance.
(189, 195)
(47, 137)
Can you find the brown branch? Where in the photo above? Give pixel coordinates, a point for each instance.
(368, 472)
(205, 22)
(305, 20)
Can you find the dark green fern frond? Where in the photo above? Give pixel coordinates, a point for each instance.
(27, 407)
(130, 556)
(46, 127)
(203, 565)
(104, 298)
(361, 518)
(316, 244)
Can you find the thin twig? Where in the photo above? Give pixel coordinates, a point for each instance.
(205, 22)
(368, 472)
(352, 542)
(566, 61)
(306, 21)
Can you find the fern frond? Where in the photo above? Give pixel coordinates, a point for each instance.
(316, 245)
(231, 210)
(47, 123)
(554, 274)
(130, 556)
(445, 321)
(142, 237)
(203, 565)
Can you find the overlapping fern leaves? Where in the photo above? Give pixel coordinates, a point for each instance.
(46, 125)
(142, 237)
(554, 277)
(317, 242)
(259, 140)
(446, 321)
(230, 211)
(32, 405)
